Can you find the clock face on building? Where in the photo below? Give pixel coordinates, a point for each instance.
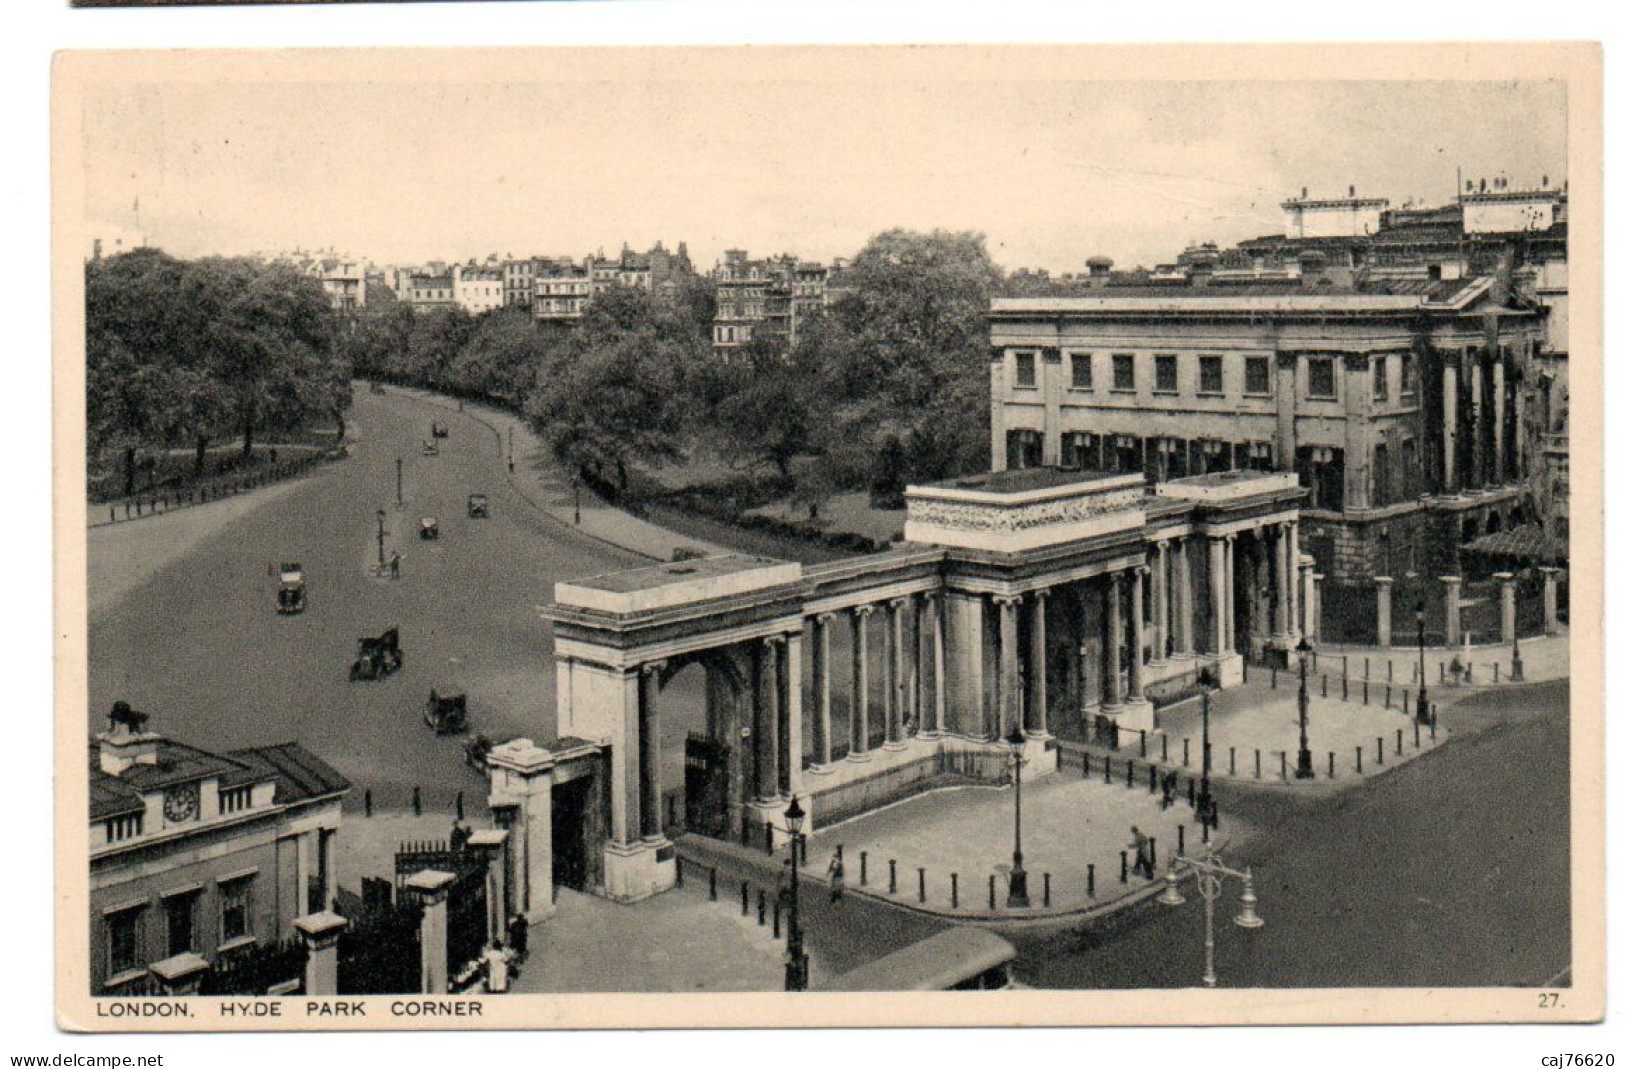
(181, 803)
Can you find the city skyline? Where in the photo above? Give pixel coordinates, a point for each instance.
(1051, 171)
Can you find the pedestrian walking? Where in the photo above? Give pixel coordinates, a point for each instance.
(460, 834)
(497, 960)
(837, 878)
(394, 564)
(1142, 853)
(519, 936)
(1170, 781)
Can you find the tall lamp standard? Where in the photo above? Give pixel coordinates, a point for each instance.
(1210, 872)
(1017, 741)
(380, 539)
(1204, 796)
(795, 968)
(1424, 714)
(1306, 763)
(399, 503)
(575, 484)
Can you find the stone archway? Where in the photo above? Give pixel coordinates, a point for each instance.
(707, 797)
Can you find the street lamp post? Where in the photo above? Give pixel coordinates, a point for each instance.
(1424, 714)
(1204, 796)
(1306, 763)
(575, 485)
(399, 502)
(1210, 873)
(795, 968)
(1017, 741)
(510, 450)
(380, 539)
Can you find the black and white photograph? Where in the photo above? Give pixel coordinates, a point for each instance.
(713, 523)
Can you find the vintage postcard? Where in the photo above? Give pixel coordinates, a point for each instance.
(699, 537)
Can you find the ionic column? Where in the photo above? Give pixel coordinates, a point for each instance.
(821, 688)
(1316, 579)
(1498, 406)
(860, 679)
(1159, 604)
(1187, 602)
(1548, 600)
(896, 676)
(1475, 393)
(1283, 619)
(1385, 611)
(1111, 649)
(765, 737)
(1229, 593)
(1037, 714)
(1216, 585)
(1306, 586)
(1448, 388)
(649, 814)
(939, 690)
(1292, 579)
(1009, 640)
(1452, 610)
(1509, 602)
(790, 722)
(1136, 635)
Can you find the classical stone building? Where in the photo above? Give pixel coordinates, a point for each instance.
(1059, 601)
(1399, 405)
(197, 855)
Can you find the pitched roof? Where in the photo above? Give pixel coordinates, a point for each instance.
(298, 774)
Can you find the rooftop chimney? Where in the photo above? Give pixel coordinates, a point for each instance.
(1099, 266)
(126, 741)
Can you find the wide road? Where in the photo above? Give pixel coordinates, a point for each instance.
(1449, 871)
(198, 643)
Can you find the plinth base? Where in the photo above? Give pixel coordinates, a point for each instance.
(635, 871)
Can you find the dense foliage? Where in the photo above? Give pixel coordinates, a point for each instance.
(191, 352)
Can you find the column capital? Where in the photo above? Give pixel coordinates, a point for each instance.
(823, 618)
(771, 641)
(863, 610)
(431, 884)
(1041, 595)
(1549, 571)
(898, 604)
(1450, 580)
(1505, 578)
(1384, 580)
(321, 930)
(1007, 601)
(650, 668)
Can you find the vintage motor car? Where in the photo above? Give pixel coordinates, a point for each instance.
(290, 594)
(428, 528)
(431, 448)
(439, 429)
(377, 657)
(446, 713)
(478, 507)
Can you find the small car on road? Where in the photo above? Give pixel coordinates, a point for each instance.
(290, 594)
(428, 528)
(478, 507)
(446, 713)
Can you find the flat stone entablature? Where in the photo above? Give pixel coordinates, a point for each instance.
(663, 586)
(1224, 486)
(1012, 511)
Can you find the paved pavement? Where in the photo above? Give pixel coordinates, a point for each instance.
(1544, 658)
(1068, 824)
(1449, 872)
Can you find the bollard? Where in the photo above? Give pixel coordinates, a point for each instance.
(775, 918)
(1108, 768)
(1258, 764)
(1433, 727)
(1283, 765)
(679, 871)
(1153, 853)
(1190, 792)
(1379, 750)
(1272, 677)
(1131, 774)
(1086, 764)
(1399, 742)
(1142, 743)
(417, 801)
(1497, 667)
(922, 885)
(1232, 760)
(767, 837)
(1345, 688)
(992, 895)
(126, 510)
(891, 882)
(1441, 671)
(1331, 765)
(1365, 692)
(863, 868)
(1091, 887)
(713, 885)
(1182, 838)
(1388, 697)
(1122, 872)
(1469, 679)
(1418, 737)
(1046, 890)
(1165, 749)
(1322, 686)
(459, 805)
(953, 889)
(1405, 702)
(1187, 758)
(761, 909)
(744, 898)
(138, 506)
(1390, 671)
(1368, 668)
(1359, 760)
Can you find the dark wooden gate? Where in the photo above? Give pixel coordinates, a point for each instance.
(705, 786)
(380, 954)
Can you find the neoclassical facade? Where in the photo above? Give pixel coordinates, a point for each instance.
(1050, 599)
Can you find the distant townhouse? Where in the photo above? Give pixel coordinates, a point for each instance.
(563, 289)
(344, 282)
(425, 291)
(197, 856)
(772, 299)
(477, 288)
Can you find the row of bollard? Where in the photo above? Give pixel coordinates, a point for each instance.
(457, 803)
(153, 504)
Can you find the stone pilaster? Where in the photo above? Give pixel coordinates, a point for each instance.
(1452, 610)
(1038, 671)
(1509, 601)
(860, 681)
(320, 932)
(431, 887)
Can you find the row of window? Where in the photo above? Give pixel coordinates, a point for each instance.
(1321, 372)
(182, 916)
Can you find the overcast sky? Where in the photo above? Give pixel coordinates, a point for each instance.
(400, 169)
